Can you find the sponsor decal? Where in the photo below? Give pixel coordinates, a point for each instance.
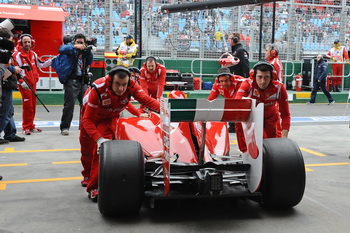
(124, 101)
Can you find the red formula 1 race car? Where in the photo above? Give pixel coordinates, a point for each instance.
(184, 152)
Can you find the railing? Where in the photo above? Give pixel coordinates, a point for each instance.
(200, 74)
(50, 71)
(344, 76)
(286, 76)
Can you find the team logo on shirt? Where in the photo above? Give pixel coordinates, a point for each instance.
(106, 102)
(256, 93)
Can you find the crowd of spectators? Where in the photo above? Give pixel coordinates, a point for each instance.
(317, 26)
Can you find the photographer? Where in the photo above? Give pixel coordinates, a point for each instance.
(7, 123)
(79, 57)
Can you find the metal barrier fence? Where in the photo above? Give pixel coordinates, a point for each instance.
(344, 76)
(303, 27)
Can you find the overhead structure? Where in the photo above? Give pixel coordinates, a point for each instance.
(193, 6)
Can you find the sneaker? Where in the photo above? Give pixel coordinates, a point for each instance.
(26, 132)
(17, 139)
(3, 141)
(65, 132)
(0, 177)
(85, 181)
(309, 103)
(332, 102)
(36, 130)
(93, 195)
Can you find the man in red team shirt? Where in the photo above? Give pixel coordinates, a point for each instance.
(102, 105)
(152, 77)
(271, 55)
(272, 94)
(227, 86)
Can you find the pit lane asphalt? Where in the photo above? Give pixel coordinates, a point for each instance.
(41, 191)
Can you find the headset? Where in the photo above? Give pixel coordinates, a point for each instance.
(273, 51)
(118, 69)
(221, 72)
(19, 42)
(269, 68)
(134, 69)
(235, 37)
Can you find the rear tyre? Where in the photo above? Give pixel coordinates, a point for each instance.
(121, 178)
(283, 178)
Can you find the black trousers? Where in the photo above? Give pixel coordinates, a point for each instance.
(73, 90)
(321, 84)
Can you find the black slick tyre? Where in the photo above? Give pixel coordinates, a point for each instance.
(121, 178)
(283, 178)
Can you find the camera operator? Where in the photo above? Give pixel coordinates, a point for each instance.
(26, 57)
(7, 123)
(79, 56)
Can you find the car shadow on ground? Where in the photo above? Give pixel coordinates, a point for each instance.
(200, 210)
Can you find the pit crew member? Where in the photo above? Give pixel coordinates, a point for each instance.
(272, 94)
(152, 77)
(227, 86)
(271, 55)
(102, 105)
(25, 56)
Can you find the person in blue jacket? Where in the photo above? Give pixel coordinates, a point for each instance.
(79, 57)
(320, 76)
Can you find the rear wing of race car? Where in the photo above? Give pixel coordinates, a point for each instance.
(221, 110)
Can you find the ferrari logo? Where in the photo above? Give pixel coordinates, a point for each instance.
(106, 102)
(256, 93)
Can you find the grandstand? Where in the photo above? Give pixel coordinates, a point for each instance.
(303, 27)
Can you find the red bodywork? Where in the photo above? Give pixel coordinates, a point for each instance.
(183, 140)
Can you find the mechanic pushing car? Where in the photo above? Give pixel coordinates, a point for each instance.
(102, 105)
(227, 86)
(262, 86)
(152, 77)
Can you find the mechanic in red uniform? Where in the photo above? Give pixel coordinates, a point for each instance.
(25, 56)
(86, 157)
(89, 144)
(227, 86)
(338, 54)
(152, 77)
(272, 94)
(271, 55)
(102, 105)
